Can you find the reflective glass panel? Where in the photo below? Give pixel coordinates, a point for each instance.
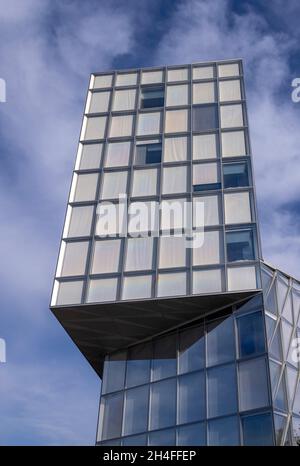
(257, 430)
(191, 398)
(220, 341)
(163, 404)
(191, 349)
(221, 390)
(136, 410)
(224, 432)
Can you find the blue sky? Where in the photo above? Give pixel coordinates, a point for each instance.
(48, 393)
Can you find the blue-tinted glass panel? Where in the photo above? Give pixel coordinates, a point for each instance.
(111, 407)
(162, 438)
(270, 327)
(191, 398)
(163, 404)
(296, 407)
(136, 410)
(191, 349)
(258, 430)
(205, 117)
(280, 401)
(275, 370)
(296, 431)
(135, 440)
(152, 97)
(235, 175)
(271, 301)
(251, 334)
(222, 390)
(114, 372)
(253, 384)
(148, 153)
(206, 187)
(220, 341)
(224, 432)
(164, 363)
(192, 435)
(239, 245)
(138, 365)
(279, 422)
(275, 347)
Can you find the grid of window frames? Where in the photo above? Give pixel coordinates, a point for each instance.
(163, 136)
(205, 384)
(282, 313)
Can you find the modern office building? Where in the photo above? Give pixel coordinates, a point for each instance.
(160, 280)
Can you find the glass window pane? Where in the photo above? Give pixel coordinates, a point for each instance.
(210, 205)
(174, 180)
(89, 156)
(175, 149)
(221, 390)
(231, 69)
(203, 72)
(251, 334)
(205, 118)
(205, 146)
(69, 293)
(207, 281)
(152, 97)
(172, 251)
(136, 410)
(257, 430)
(237, 207)
(80, 221)
(279, 424)
(138, 364)
(121, 125)
(287, 331)
(230, 90)
(191, 349)
(150, 77)
(94, 128)
(253, 384)
(174, 214)
(114, 184)
(117, 154)
(124, 99)
(148, 153)
(111, 419)
(206, 176)
(177, 95)
(114, 372)
(104, 80)
(97, 102)
(193, 435)
(149, 123)
(176, 121)
(210, 252)
(145, 182)
(106, 256)
(139, 254)
(163, 404)
(239, 245)
(288, 309)
(220, 341)
(162, 438)
(233, 143)
(135, 440)
(171, 284)
(179, 74)
(235, 175)
(291, 376)
(224, 432)
(85, 187)
(241, 278)
(102, 290)
(191, 398)
(164, 359)
(282, 289)
(231, 116)
(296, 431)
(128, 79)
(137, 287)
(74, 258)
(204, 93)
(143, 218)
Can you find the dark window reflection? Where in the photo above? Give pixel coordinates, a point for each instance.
(191, 349)
(138, 365)
(224, 432)
(221, 390)
(114, 372)
(164, 363)
(251, 334)
(220, 341)
(162, 438)
(258, 430)
(205, 117)
(163, 404)
(112, 406)
(191, 398)
(192, 435)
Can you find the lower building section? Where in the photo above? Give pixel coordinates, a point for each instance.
(204, 383)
